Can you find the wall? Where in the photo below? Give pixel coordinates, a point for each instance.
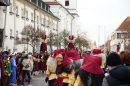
(17, 23)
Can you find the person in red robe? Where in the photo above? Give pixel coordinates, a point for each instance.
(44, 41)
(71, 40)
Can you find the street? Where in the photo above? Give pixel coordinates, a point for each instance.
(38, 80)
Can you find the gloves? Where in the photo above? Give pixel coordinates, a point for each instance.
(46, 79)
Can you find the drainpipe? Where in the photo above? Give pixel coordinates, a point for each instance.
(4, 29)
(71, 25)
(34, 28)
(58, 27)
(25, 25)
(14, 4)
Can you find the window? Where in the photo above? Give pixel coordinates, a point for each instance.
(26, 14)
(37, 19)
(22, 12)
(43, 21)
(31, 16)
(10, 32)
(67, 3)
(17, 10)
(10, 7)
(16, 33)
(118, 35)
(37, 27)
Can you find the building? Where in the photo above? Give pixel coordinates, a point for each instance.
(120, 39)
(66, 10)
(25, 12)
(71, 6)
(63, 14)
(4, 2)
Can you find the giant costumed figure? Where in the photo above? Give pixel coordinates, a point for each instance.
(71, 40)
(42, 64)
(44, 41)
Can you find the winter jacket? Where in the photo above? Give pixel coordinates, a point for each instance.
(119, 76)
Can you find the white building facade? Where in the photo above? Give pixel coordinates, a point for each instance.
(64, 15)
(71, 6)
(25, 12)
(66, 10)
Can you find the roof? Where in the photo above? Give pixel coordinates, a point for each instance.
(121, 27)
(57, 3)
(53, 3)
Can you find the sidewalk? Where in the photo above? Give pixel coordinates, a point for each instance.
(38, 80)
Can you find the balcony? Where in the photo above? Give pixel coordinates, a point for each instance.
(47, 23)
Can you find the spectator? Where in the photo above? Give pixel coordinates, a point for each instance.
(119, 75)
(125, 56)
(12, 78)
(27, 67)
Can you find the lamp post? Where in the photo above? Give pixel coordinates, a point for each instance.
(38, 43)
(98, 36)
(50, 43)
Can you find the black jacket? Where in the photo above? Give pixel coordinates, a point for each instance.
(119, 76)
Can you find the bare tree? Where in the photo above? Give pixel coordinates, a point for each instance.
(29, 36)
(62, 41)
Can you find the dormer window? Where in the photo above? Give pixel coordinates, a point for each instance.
(67, 3)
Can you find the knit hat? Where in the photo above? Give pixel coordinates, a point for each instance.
(113, 59)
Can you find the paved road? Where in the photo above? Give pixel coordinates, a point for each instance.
(38, 80)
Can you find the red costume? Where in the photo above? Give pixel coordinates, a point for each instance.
(43, 44)
(71, 41)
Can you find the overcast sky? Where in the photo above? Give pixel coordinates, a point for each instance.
(105, 13)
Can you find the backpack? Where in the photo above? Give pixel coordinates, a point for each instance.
(27, 65)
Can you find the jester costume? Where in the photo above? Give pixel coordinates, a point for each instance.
(71, 41)
(7, 71)
(44, 41)
(64, 71)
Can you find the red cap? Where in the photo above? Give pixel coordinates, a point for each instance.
(92, 64)
(96, 51)
(66, 61)
(73, 54)
(58, 51)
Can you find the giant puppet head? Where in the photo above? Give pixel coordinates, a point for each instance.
(43, 36)
(71, 37)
